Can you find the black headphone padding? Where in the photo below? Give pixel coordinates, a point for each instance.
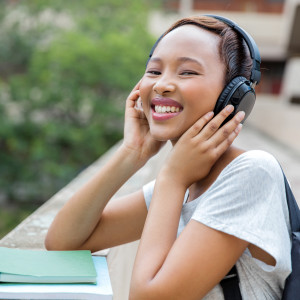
(239, 93)
(229, 89)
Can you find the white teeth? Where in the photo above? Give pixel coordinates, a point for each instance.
(164, 109)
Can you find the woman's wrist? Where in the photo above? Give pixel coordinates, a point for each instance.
(172, 178)
(132, 157)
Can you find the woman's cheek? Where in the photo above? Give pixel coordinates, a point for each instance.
(203, 102)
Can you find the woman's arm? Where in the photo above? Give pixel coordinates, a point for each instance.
(197, 261)
(83, 222)
(80, 222)
(187, 267)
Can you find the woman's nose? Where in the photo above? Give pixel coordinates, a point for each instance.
(163, 85)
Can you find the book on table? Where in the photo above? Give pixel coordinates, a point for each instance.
(41, 266)
(40, 274)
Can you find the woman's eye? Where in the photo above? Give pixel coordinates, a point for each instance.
(153, 72)
(188, 73)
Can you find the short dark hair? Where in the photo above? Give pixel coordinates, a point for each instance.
(233, 49)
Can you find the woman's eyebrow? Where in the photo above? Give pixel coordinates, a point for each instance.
(190, 59)
(155, 59)
(179, 59)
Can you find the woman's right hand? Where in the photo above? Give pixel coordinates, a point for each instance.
(198, 149)
(137, 136)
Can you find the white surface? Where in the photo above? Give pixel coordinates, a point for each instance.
(101, 291)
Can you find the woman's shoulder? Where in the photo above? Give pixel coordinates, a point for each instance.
(253, 170)
(254, 161)
(256, 156)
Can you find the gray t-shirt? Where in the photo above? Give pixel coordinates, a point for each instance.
(248, 201)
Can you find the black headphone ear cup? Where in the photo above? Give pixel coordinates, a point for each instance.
(224, 98)
(240, 94)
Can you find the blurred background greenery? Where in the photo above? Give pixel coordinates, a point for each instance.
(66, 68)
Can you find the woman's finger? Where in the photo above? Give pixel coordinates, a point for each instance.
(228, 130)
(197, 127)
(137, 86)
(132, 98)
(223, 146)
(214, 125)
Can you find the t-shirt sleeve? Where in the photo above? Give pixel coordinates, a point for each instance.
(148, 191)
(248, 201)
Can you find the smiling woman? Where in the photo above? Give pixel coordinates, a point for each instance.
(207, 209)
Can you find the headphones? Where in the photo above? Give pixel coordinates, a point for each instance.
(239, 92)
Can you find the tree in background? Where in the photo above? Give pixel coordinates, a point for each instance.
(66, 68)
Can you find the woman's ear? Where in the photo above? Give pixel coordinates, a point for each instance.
(139, 104)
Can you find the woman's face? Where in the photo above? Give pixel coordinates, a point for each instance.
(182, 82)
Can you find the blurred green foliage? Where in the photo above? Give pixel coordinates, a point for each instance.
(66, 68)
(12, 216)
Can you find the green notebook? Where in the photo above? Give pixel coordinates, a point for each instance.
(41, 266)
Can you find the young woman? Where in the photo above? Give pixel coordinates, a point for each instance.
(212, 206)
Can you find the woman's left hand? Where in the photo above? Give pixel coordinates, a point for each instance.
(201, 146)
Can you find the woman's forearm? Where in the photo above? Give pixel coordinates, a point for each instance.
(158, 236)
(78, 218)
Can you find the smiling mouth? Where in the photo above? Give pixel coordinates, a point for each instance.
(165, 108)
(161, 109)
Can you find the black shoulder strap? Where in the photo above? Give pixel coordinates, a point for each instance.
(230, 283)
(294, 212)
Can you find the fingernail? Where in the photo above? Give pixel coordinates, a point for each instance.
(229, 108)
(240, 116)
(210, 114)
(238, 128)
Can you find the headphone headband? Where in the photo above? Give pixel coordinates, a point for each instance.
(253, 49)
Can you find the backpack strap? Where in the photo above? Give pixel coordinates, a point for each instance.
(293, 207)
(230, 285)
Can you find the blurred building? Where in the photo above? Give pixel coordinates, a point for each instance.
(274, 24)
(264, 6)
